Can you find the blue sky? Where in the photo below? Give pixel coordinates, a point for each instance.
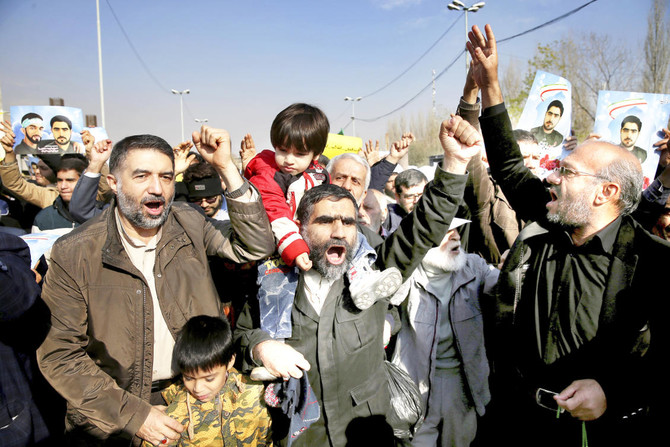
(244, 61)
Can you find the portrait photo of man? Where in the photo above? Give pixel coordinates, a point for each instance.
(630, 131)
(32, 127)
(547, 134)
(61, 129)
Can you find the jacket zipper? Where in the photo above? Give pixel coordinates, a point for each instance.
(144, 336)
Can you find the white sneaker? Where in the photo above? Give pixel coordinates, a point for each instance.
(374, 285)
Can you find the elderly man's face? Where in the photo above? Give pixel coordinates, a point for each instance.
(370, 212)
(572, 195)
(448, 256)
(351, 176)
(144, 187)
(332, 236)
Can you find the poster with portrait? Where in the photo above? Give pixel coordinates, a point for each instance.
(548, 116)
(631, 120)
(44, 130)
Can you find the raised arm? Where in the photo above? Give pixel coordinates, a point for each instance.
(183, 157)
(214, 146)
(248, 236)
(525, 192)
(83, 203)
(484, 66)
(247, 150)
(380, 172)
(425, 227)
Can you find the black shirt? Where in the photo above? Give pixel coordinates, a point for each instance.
(564, 290)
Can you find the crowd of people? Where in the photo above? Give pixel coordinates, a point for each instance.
(192, 302)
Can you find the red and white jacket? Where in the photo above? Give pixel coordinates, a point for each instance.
(281, 194)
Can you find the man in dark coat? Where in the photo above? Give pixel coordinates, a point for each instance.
(578, 295)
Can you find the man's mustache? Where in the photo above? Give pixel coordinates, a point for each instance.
(152, 198)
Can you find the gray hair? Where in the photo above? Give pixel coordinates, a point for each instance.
(627, 173)
(355, 157)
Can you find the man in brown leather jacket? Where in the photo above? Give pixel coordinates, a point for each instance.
(121, 286)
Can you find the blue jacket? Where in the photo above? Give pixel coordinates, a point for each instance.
(416, 346)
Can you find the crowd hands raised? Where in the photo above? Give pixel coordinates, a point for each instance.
(520, 307)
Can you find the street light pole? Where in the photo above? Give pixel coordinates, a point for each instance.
(353, 112)
(181, 107)
(457, 5)
(102, 91)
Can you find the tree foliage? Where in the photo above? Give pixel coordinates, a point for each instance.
(426, 127)
(591, 62)
(656, 50)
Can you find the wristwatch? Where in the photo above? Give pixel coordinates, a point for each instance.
(239, 192)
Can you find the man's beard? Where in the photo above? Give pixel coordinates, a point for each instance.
(35, 139)
(134, 212)
(444, 260)
(318, 257)
(571, 213)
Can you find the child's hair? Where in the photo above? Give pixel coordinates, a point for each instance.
(302, 126)
(203, 344)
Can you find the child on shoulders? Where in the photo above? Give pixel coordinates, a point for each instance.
(299, 135)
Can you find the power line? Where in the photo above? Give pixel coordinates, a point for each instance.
(370, 120)
(547, 23)
(416, 61)
(137, 54)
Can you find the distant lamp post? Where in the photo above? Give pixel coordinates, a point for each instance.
(457, 5)
(353, 112)
(181, 107)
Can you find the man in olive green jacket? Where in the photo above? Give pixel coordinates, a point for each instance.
(121, 286)
(340, 346)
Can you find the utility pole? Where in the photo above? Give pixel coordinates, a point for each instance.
(102, 90)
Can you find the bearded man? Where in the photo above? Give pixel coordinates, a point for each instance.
(546, 134)
(120, 288)
(441, 343)
(32, 127)
(578, 293)
(340, 347)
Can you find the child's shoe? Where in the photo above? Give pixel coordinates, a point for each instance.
(374, 285)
